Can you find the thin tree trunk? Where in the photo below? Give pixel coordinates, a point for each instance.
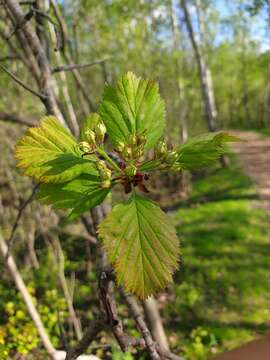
(49, 101)
(60, 261)
(14, 272)
(180, 89)
(204, 73)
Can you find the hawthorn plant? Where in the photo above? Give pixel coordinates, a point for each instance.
(139, 238)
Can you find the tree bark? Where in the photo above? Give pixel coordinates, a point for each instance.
(204, 73)
(33, 41)
(15, 274)
(154, 322)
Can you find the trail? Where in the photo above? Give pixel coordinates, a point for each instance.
(254, 157)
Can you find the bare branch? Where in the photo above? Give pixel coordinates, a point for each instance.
(154, 349)
(22, 84)
(33, 41)
(17, 118)
(77, 66)
(95, 327)
(136, 314)
(18, 217)
(9, 58)
(27, 17)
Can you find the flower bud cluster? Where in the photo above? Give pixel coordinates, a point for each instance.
(105, 174)
(134, 149)
(167, 157)
(93, 137)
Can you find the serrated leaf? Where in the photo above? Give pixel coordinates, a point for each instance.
(132, 107)
(203, 150)
(50, 153)
(141, 244)
(80, 194)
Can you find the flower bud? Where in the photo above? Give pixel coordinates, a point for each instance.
(141, 140)
(101, 165)
(160, 149)
(90, 136)
(105, 174)
(120, 146)
(106, 184)
(138, 152)
(131, 170)
(100, 131)
(171, 157)
(127, 153)
(85, 147)
(133, 139)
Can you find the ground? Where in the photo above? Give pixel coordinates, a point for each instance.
(222, 287)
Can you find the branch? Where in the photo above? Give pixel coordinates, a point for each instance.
(21, 83)
(17, 220)
(156, 352)
(16, 118)
(33, 41)
(136, 314)
(24, 20)
(90, 334)
(77, 66)
(9, 58)
(112, 319)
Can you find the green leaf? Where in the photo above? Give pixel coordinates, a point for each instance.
(203, 150)
(80, 194)
(132, 107)
(50, 153)
(141, 244)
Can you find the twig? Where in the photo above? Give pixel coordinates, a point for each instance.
(9, 58)
(18, 81)
(27, 17)
(112, 319)
(77, 66)
(23, 120)
(154, 349)
(46, 84)
(17, 220)
(136, 314)
(95, 327)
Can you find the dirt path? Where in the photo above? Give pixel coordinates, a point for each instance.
(254, 157)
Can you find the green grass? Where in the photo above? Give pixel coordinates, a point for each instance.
(223, 288)
(265, 132)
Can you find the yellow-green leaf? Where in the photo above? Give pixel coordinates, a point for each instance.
(79, 195)
(50, 153)
(141, 244)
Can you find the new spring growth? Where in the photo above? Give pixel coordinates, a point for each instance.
(136, 144)
(90, 137)
(131, 170)
(120, 146)
(100, 131)
(105, 174)
(171, 157)
(85, 147)
(160, 150)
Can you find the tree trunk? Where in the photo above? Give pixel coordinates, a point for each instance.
(16, 276)
(14, 272)
(204, 73)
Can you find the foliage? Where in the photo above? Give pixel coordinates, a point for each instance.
(19, 334)
(142, 245)
(222, 291)
(75, 177)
